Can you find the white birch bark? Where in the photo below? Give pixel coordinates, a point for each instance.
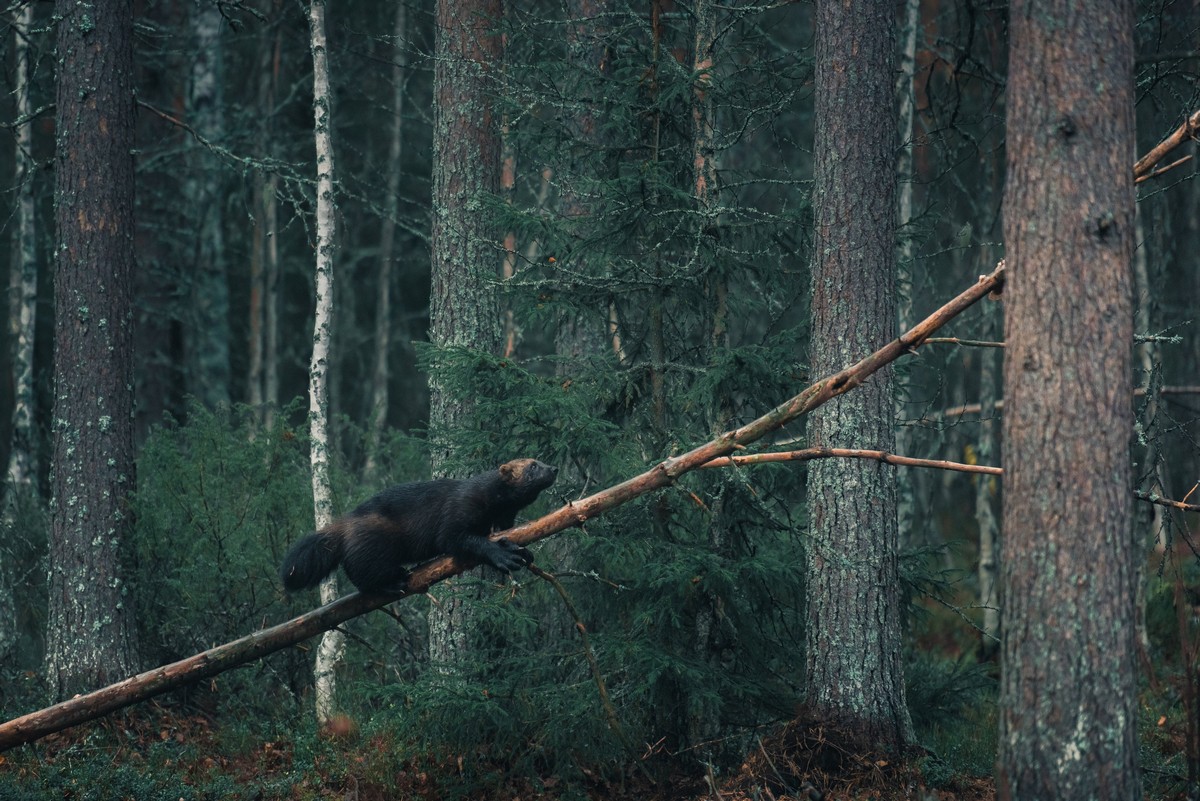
(23, 288)
(985, 514)
(22, 308)
(332, 642)
(1151, 468)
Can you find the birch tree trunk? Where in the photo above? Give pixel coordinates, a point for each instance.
(207, 343)
(1068, 711)
(464, 306)
(22, 472)
(852, 657)
(91, 637)
(986, 490)
(1152, 475)
(22, 465)
(333, 641)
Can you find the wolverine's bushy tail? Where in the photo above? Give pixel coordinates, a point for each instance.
(311, 559)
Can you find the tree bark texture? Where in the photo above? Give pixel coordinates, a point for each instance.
(1067, 706)
(22, 462)
(852, 655)
(464, 306)
(90, 631)
(22, 471)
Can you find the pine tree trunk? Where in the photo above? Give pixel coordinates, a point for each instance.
(852, 657)
(91, 635)
(464, 308)
(333, 641)
(1068, 713)
(207, 345)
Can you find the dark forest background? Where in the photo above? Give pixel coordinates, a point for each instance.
(638, 321)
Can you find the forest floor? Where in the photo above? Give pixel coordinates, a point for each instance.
(158, 752)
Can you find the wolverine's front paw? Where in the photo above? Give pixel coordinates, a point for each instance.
(510, 556)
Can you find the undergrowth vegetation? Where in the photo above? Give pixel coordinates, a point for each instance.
(219, 499)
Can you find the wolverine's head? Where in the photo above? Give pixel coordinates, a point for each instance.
(528, 475)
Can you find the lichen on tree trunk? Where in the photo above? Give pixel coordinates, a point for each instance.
(90, 632)
(1068, 713)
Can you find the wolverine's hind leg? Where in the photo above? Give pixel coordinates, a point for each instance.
(390, 579)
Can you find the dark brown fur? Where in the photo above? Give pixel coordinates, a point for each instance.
(413, 522)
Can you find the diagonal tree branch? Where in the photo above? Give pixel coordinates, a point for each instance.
(213, 661)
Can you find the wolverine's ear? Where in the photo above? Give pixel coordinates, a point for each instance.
(507, 471)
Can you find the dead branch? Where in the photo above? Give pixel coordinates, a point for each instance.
(1162, 169)
(1183, 133)
(610, 711)
(209, 663)
(1180, 505)
(975, 408)
(808, 454)
(975, 343)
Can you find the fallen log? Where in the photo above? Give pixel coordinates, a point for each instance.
(223, 657)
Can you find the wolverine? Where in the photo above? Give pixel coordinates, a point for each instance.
(412, 522)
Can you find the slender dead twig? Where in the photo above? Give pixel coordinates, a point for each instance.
(1162, 169)
(974, 343)
(610, 711)
(1150, 497)
(808, 454)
